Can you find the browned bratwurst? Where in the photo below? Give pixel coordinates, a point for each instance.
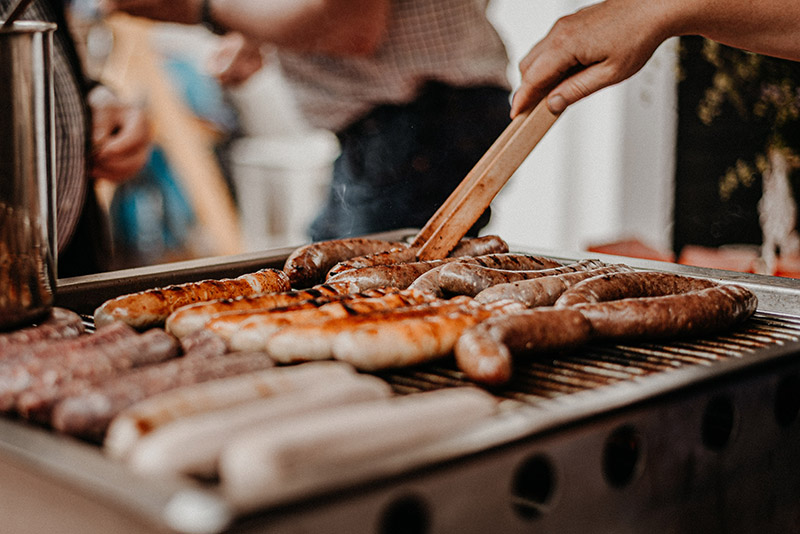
(542, 291)
(149, 308)
(477, 246)
(188, 319)
(484, 351)
(60, 324)
(307, 265)
(614, 286)
(88, 413)
(250, 331)
(700, 311)
(404, 275)
(470, 279)
(622, 305)
(93, 363)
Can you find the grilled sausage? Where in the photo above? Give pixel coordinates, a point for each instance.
(88, 414)
(403, 342)
(314, 341)
(484, 351)
(149, 415)
(31, 354)
(542, 291)
(694, 312)
(383, 339)
(613, 286)
(468, 279)
(400, 275)
(403, 275)
(60, 324)
(203, 344)
(44, 380)
(309, 452)
(251, 331)
(477, 246)
(224, 324)
(188, 319)
(151, 307)
(307, 265)
(192, 445)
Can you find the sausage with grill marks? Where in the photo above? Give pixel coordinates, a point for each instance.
(33, 354)
(614, 286)
(542, 291)
(223, 325)
(150, 308)
(467, 279)
(307, 265)
(88, 414)
(188, 319)
(403, 275)
(45, 379)
(403, 342)
(699, 311)
(251, 331)
(60, 324)
(385, 339)
(477, 246)
(484, 351)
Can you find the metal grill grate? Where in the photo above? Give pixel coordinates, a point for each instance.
(546, 378)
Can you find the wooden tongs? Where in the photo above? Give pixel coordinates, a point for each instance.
(479, 187)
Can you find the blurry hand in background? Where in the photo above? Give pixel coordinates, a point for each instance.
(235, 60)
(121, 136)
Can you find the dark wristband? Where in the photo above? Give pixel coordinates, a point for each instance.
(207, 20)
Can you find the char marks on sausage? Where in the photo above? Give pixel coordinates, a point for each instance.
(476, 246)
(60, 324)
(88, 413)
(188, 319)
(484, 351)
(44, 380)
(470, 278)
(614, 286)
(251, 331)
(307, 265)
(699, 311)
(150, 308)
(544, 291)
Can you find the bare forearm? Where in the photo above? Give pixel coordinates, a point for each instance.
(329, 26)
(607, 42)
(770, 27)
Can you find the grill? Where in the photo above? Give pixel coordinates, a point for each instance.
(686, 436)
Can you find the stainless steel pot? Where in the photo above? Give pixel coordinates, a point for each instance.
(27, 148)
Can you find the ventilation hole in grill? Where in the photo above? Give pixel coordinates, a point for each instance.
(406, 515)
(718, 422)
(622, 456)
(532, 487)
(787, 400)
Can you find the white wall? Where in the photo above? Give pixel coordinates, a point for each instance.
(605, 169)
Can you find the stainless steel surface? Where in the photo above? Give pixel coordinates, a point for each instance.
(691, 435)
(27, 266)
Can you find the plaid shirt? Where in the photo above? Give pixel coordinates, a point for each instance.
(71, 119)
(450, 41)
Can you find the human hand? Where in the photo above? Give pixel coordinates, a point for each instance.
(121, 137)
(180, 11)
(235, 60)
(595, 47)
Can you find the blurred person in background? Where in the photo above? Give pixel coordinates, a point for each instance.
(416, 91)
(97, 137)
(608, 42)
